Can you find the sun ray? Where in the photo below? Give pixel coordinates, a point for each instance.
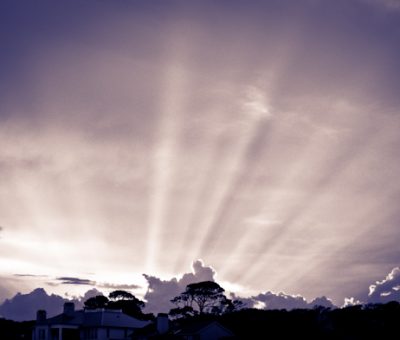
(296, 222)
(165, 154)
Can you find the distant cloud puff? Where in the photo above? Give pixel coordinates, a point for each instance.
(89, 294)
(351, 302)
(322, 301)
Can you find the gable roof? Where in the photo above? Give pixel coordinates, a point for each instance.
(97, 318)
(75, 318)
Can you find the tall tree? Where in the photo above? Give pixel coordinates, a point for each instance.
(205, 297)
(117, 295)
(99, 301)
(127, 302)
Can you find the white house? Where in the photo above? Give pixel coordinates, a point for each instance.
(99, 324)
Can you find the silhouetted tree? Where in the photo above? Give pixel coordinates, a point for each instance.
(182, 312)
(121, 295)
(206, 296)
(127, 302)
(229, 306)
(99, 301)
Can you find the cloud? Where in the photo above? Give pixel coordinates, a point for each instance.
(75, 281)
(78, 281)
(279, 301)
(351, 302)
(24, 306)
(270, 300)
(79, 301)
(160, 292)
(108, 101)
(30, 275)
(107, 285)
(322, 301)
(386, 290)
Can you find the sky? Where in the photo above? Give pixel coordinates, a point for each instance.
(262, 137)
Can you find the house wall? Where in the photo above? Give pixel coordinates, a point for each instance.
(110, 333)
(41, 333)
(113, 333)
(44, 333)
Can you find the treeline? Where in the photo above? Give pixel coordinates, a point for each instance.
(373, 321)
(206, 301)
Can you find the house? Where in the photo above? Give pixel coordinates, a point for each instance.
(99, 324)
(160, 329)
(211, 330)
(189, 330)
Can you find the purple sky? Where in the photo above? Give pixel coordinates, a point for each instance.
(260, 136)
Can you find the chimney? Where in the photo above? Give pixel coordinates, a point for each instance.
(69, 308)
(41, 315)
(162, 323)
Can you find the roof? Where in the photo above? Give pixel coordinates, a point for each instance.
(75, 318)
(97, 318)
(198, 326)
(179, 331)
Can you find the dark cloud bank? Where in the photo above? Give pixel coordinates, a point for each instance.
(24, 306)
(159, 292)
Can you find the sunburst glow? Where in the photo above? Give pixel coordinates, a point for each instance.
(146, 137)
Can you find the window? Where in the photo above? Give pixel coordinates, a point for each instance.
(90, 333)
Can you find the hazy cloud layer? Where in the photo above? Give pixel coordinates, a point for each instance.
(260, 136)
